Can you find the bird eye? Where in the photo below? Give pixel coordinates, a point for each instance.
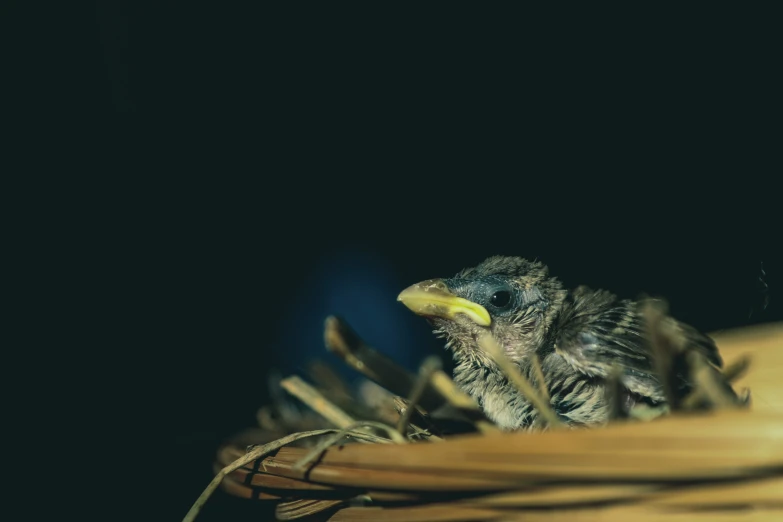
(500, 299)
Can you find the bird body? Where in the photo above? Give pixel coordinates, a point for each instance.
(582, 338)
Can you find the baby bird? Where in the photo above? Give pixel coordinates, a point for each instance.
(580, 336)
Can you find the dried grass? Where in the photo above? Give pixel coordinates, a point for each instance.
(722, 464)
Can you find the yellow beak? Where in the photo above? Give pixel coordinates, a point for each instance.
(432, 298)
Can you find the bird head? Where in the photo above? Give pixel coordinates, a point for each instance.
(513, 298)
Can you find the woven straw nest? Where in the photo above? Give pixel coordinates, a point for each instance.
(722, 462)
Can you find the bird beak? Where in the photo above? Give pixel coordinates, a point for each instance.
(432, 298)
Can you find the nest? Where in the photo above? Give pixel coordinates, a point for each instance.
(422, 451)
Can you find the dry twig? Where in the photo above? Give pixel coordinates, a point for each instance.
(337, 437)
(539, 373)
(462, 402)
(730, 373)
(510, 370)
(707, 382)
(419, 419)
(614, 389)
(253, 454)
(317, 402)
(428, 367)
(663, 347)
(341, 340)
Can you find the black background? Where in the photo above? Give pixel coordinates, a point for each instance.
(240, 147)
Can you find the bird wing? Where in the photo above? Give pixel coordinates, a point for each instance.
(598, 332)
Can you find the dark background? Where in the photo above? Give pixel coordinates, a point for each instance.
(264, 169)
